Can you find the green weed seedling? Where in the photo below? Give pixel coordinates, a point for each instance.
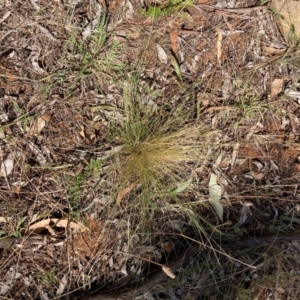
(93, 57)
(49, 278)
(94, 167)
(264, 2)
(75, 185)
(171, 7)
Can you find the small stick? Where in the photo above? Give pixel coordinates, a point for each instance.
(246, 10)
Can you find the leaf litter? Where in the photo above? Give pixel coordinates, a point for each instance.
(231, 82)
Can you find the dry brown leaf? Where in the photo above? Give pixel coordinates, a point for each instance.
(162, 55)
(41, 225)
(82, 131)
(273, 51)
(257, 175)
(40, 158)
(34, 62)
(39, 124)
(112, 6)
(276, 87)
(124, 192)
(174, 41)
(7, 167)
(4, 219)
(16, 189)
(134, 35)
(62, 285)
(168, 272)
(50, 229)
(46, 117)
(289, 17)
(219, 44)
(245, 214)
(6, 16)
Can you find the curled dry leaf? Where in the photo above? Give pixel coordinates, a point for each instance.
(37, 152)
(4, 219)
(124, 192)
(215, 193)
(3, 118)
(174, 42)
(41, 225)
(245, 214)
(276, 87)
(162, 55)
(39, 124)
(6, 16)
(62, 285)
(82, 131)
(6, 167)
(134, 35)
(50, 230)
(33, 3)
(292, 93)
(273, 50)
(257, 175)
(258, 165)
(35, 64)
(168, 272)
(47, 33)
(40, 158)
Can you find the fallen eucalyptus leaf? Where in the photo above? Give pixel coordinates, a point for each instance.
(122, 193)
(62, 285)
(6, 167)
(41, 225)
(162, 55)
(215, 196)
(276, 87)
(39, 124)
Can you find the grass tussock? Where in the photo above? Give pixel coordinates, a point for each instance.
(155, 149)
(158, 157)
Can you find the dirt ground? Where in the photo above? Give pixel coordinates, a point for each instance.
(65, 67)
